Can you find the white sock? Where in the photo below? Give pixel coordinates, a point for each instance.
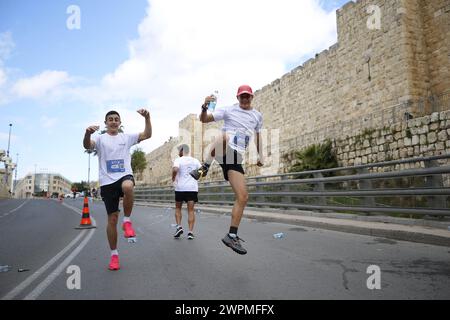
(126, 219)
(114, 252)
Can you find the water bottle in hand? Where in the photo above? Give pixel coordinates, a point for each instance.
(212, 104)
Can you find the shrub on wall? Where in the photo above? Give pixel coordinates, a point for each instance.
(315, 157)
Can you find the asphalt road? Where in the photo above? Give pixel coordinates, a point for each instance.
(307, 263)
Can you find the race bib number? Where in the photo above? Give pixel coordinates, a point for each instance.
(241, 140)
(113, 166)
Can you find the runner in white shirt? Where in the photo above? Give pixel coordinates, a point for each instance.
(115, 174)
(186, 188)
(241, 121)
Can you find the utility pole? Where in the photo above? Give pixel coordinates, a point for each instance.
(17, 165)
(9, 139)
(15, 174)
(89, 174)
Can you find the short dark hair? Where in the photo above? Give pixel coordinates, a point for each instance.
(184, 148)
(110, 113)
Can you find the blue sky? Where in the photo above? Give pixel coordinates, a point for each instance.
(157, 54)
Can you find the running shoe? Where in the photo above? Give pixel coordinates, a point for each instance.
(128, 230)
(178, 233)
(234, 244)
(114, 263)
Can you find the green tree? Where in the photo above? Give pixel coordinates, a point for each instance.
(79, 186)
(315, 157)
(120, 130)
(138, 162)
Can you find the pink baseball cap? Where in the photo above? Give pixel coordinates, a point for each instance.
(244, 89)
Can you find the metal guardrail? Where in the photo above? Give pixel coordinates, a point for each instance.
(419, 191)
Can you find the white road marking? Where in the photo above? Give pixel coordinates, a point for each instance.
(17, 290)
(47, 281)
(14, 210)
(33, 295)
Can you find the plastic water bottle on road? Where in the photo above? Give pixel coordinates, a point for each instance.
(5, 268)
(279, 235)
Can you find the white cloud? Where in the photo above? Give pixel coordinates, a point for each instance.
(41, 85)
(185, 54)
(204, 45)
(2, 77)
(187, 49)
(6, 45)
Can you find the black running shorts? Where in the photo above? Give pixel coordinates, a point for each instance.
(231, 161)
(185, 196)
(111, 194)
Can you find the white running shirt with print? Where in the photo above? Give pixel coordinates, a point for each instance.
(183, 181)
(239, 124)
(114, 159)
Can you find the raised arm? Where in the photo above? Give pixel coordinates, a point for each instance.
(87, 142)
(148, 125)
(204, 116)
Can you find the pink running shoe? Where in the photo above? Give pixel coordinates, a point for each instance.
(128, 229)
(114, 263)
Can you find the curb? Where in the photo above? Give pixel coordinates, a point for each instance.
(403, 232)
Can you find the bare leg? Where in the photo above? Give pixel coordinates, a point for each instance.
(191, 215)
(111, 230)
(220, 144)
(128, 197)
(178, 206)
(239, 187)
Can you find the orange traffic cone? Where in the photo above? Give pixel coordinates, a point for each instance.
(85, 218)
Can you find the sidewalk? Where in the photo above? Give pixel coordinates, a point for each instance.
(414, 230)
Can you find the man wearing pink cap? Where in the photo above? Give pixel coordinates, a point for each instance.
(241, 121)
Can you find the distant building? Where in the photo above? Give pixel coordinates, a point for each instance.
(43, 184)
(6, 170)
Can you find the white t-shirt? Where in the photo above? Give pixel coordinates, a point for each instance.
(239, 124)
(114, 159)
(183, 181)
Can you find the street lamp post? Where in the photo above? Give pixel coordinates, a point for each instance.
(15, 174)
(17, 166)
(89, 151)
(34, 181)
(8, 172)
(9, 139)
(89, 173)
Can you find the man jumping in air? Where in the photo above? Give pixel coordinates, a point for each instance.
(240, 123)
